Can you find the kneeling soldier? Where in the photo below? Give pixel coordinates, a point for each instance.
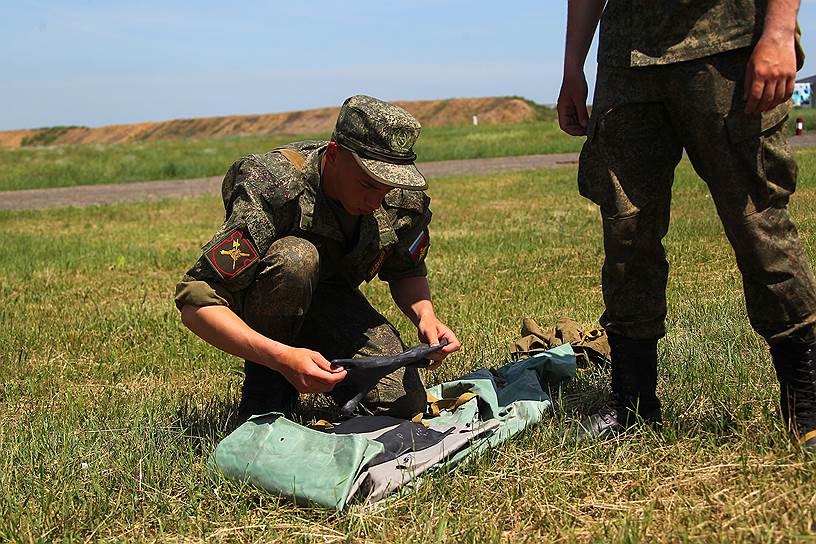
(305, 225)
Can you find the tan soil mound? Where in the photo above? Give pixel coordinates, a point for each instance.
(455, 111)
(14, 138)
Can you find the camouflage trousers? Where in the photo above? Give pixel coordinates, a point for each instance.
(291, 303)
(642, 120)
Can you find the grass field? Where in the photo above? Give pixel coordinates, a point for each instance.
(68, 165)
(109, 408)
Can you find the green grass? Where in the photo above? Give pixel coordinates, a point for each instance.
(109, 408)
(69, 165)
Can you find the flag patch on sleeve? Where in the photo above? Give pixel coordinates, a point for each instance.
(419, 249)
(232, 255)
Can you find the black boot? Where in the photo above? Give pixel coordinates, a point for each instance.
(264, 391)
(795, 363)
(634, 381)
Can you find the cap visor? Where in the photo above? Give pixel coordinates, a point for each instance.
(404, 176)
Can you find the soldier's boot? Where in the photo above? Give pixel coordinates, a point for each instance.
(264, 391)
(795, 363)
(633, 399)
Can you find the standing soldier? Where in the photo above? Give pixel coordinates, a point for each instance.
(711, 78)
(305, 225)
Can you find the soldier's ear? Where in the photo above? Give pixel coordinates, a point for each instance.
(332, 151)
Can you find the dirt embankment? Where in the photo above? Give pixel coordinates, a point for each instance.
(491, 110)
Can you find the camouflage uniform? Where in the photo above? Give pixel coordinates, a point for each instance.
(670, 78)
(297, 271)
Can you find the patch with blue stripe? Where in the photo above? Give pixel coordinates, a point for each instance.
(419, 248)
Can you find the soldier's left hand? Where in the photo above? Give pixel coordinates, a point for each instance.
(770, 74)
(430, 330)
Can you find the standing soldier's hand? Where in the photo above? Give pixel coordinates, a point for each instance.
(573, 116)
(308, 371)
(771, 72)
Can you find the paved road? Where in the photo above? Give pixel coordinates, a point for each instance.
(88, 195)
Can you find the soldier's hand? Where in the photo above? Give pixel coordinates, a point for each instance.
(309, 372)
(770, 74)
(430, 330)
(573, 117)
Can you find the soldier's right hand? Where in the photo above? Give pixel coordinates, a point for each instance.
(308, 371)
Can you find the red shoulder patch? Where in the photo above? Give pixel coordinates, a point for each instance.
(232, 255)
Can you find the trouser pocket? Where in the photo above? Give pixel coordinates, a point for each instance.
(761, 146)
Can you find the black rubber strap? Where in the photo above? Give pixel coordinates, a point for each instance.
(370, 370)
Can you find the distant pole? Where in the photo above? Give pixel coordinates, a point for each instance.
(475, 121)
(800, 126)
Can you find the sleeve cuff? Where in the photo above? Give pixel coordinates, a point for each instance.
(200, 293)
(420, 270)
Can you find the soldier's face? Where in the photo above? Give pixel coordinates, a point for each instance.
(348, 183)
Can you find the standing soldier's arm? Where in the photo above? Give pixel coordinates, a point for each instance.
(771, 71)
(413, 296)
(582, 19)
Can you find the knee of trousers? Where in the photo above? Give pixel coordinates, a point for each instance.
(634, 237)
(277, 301)
(766, 244)
(400, 394)
(287, 277)
(382, 340)
(293, 262)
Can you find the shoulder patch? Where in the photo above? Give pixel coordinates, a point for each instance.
(232, 254)
(419, 247)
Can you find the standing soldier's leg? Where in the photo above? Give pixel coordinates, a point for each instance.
(341, 324)
(749, 167)
(275, 306)
(627, 168)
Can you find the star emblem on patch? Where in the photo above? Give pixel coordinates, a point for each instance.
(232, 254)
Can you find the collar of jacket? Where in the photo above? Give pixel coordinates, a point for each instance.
(317, 217)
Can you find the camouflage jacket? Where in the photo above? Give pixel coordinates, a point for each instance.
(646, 32)
(278, 194)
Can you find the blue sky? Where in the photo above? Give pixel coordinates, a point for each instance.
(95, 63)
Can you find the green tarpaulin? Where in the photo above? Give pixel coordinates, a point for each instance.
(330, 470)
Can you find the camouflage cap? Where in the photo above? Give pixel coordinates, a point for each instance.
(381, 137)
